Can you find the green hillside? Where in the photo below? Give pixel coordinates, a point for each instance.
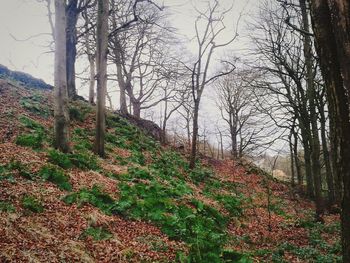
(141, 203)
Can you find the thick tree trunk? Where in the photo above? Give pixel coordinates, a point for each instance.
(101, 59)
(61, 126)
(194, 135)
(71, 43)
(332, 41)
(136, 109)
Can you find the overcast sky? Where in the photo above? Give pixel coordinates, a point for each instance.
(24, 19)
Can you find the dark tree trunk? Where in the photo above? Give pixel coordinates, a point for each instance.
(194, 135)
(101, 60)
(292, 165)
(311, 92)
(329, 172)
(299, 174)
(72, 13)
(332, 41)
(308, 166)
(136, 109)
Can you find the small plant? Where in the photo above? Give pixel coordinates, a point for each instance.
(137, 157)
(21, 169)
(34, 104)
(95, 197)
(56, 176)
(6, 207)
(33, 140)
(231, 203)
(97, 233)
(84, 160)
(81, 139)
(76, 114)
(60, 159)
(32, 204)
(6, 174)
(31, 124)
(199, 174)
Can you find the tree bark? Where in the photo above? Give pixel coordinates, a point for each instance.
(331, 27)
(92, 79)
(194, 135)
(329, 172)
(71, 42)
(292, 165)
(61, 116)
(311, 92)
(101, 59)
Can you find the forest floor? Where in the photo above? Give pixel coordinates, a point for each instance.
(141, 203)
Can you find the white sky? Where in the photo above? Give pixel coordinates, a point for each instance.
(24, 19)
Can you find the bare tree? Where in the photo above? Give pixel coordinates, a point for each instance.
(236, 102)
(213, 26)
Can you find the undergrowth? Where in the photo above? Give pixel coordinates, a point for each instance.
(55, 175)
(30, 203)
(97, 233)
(35, 104)
(35, 136)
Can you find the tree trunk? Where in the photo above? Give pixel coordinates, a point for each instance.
(92, 79)
(332, 42)
(101, 59)
(292, 166)
(121, 82)
(71, 42)
(308, 165)
(194, 135)
(299, 174)
(136, 109)
(311, 92)
(61, 126)
(233, 130)
(329, 172)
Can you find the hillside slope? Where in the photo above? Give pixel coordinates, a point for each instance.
(141, 203)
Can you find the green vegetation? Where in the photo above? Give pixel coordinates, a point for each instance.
(6, 207)
(81, 139)
(35, 104)
(318, 250)
(55, 175)
(84, 160)
(94, 196)
(159, 193)
(199, 175)
(97, 233)
(60, 159)
(32, 204)
(6, 174)
(35, 138)
(21, 169)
